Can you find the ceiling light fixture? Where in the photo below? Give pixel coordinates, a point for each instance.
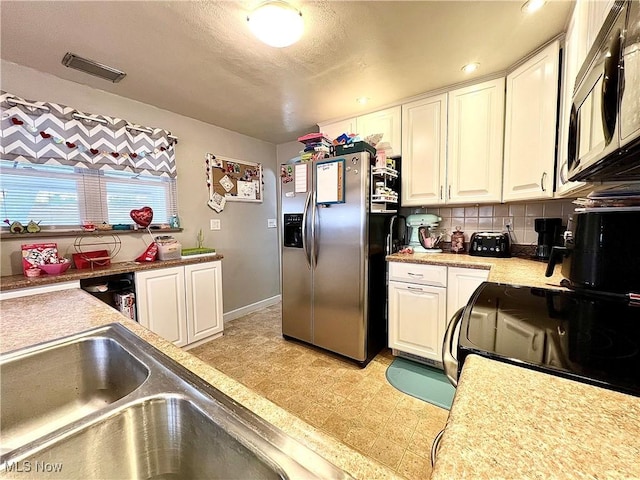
(362, 100)
(533, 6)
(470, 67)
(276, 23)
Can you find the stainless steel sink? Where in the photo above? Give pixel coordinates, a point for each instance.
(109, 405)
(165, 437)
(46, 388)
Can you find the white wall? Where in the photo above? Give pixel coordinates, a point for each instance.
(250, 249)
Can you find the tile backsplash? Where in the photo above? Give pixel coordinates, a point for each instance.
(520, 216)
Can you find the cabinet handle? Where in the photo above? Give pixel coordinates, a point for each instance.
(415, 289)
(449, 192)
(542, 179)
(411, 274)
(441, 192)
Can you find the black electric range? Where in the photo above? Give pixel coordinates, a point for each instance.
(585, 337)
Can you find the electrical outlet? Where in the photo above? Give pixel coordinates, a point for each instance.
(271, 223)
(215, 224)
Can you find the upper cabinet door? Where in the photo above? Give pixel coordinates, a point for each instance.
(597, 11)
(424, 125)
(335, 129)
(530, 127)
(475, 138)
(386, 122)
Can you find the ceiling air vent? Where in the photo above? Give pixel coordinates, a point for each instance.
(93, 68)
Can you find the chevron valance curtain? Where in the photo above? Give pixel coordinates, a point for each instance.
(53, 134)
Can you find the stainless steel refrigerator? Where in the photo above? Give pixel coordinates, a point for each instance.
(333, 257)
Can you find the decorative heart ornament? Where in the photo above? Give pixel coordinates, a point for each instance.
(94, 151)
(16, 121)
(142, 216)
(45, 135)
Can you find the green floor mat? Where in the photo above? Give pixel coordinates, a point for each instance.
(426, 383)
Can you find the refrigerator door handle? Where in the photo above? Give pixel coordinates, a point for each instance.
(314, 243)
(307, 255)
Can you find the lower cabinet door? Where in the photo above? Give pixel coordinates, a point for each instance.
(204, 300)
(161, 303)
(417, 319)
(461, 284)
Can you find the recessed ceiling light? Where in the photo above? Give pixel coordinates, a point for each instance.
(470, 67)
(362, 100)
(276, 23)
(533, 5)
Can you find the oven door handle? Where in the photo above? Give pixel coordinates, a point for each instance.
(435, 447)
(448, 360)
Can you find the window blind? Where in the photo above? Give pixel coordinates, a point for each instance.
(66, 196)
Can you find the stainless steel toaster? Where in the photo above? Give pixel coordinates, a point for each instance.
(490, 244)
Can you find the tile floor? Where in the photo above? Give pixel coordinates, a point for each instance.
(357, 406)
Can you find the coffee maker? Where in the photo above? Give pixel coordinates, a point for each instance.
(549, 235)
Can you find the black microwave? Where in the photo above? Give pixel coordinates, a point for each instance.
(604, 126)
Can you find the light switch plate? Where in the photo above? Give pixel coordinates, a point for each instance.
(215, 224)
(271, 223)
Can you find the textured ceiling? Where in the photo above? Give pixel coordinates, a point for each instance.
(199, 59)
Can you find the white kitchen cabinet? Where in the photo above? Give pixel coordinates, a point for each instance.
(461, 283)
(530, 127)
(160, 296)
(475, 136)
(182, 304)
(416, 319)
(387, 122)
(435, 275)
(424, 146)
(204, 300)
(422, 299)
(335, 129)
(597, 11)
(417, 309)
(573, 55)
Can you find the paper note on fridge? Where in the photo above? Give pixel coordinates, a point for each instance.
(301, 178)
(329, 182)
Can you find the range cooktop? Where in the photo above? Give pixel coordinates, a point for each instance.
(585, 337)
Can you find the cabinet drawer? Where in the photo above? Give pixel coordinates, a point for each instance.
(418, 273)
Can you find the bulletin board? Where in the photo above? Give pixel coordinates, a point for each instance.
(236, 180)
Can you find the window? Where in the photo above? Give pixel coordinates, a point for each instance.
(65, 196)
